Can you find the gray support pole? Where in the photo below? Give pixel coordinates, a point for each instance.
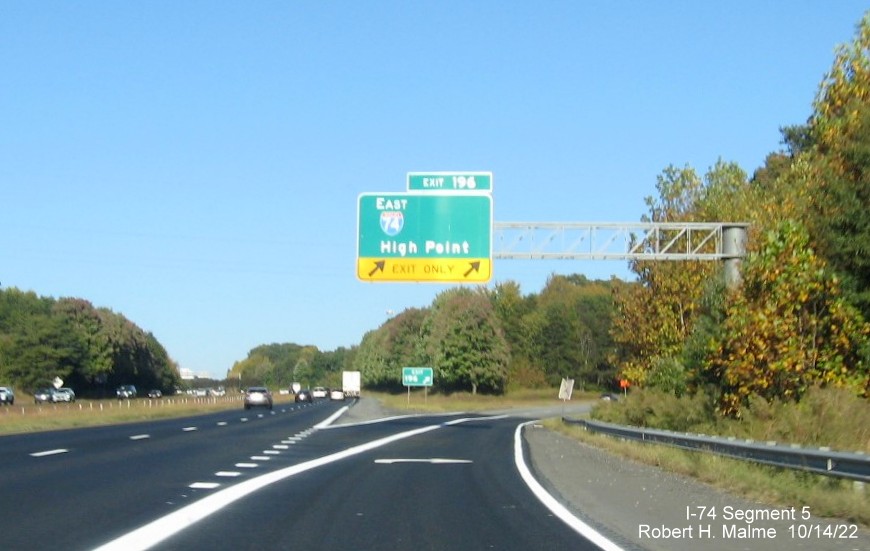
(734, 250)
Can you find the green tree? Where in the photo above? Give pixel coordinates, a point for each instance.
(515, 312)
(384, 352)
(464, 343)
(45, 347)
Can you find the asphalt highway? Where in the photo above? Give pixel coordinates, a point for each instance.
(277, 479)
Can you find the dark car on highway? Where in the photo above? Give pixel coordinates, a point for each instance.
(43, 396)
(258, 396)
(126, 392)
(304, 395)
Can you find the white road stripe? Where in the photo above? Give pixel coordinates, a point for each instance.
(281, 447)
(222, 423)
(271, 452)
(246, 465)
(432, 461)
(140, 436)
(230, 474)
(189, 429)
(329, 420)
(167, 526)
(48, 452)
(260, 458)
(551, 503)
(204, 485)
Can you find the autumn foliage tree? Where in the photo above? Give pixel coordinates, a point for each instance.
(789, 327)
(655, 317)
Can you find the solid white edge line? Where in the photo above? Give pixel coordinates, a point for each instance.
(331, 419)
(559, 510)
(386, 419)
(167, 526)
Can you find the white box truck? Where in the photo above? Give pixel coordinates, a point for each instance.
(350, 383)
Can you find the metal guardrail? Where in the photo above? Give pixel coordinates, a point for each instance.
(852, 466)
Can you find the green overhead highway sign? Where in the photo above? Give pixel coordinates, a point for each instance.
(425, 237)
(450, 181)
(417, 376)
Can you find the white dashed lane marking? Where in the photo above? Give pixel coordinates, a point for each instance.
(204, 485)
(228, 474)
(140, 436)
(48, 452)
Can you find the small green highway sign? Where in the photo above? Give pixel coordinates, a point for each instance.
(417, 376)
(432, 237)
(450, 181)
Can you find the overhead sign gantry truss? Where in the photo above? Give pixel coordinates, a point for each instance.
(619, 241)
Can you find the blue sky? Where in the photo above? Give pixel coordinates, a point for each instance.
(195, 166)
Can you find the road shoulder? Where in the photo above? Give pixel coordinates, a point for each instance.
(657, 510)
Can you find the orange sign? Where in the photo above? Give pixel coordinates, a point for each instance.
(623, 383)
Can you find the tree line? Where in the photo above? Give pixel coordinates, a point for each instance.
(476, 340)
(91, 349)
(490, 340)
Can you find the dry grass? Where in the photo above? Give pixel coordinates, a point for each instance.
(29, 417)
(422, 402)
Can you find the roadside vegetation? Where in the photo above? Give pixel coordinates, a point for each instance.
(825, 417)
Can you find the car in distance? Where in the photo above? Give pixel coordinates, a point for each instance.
(64, 394)
(258, 396)
(6, 395)
(43, 396)
(336, 394)
(126, 392)
(304, 395)
(155, 394)
(319, 392)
